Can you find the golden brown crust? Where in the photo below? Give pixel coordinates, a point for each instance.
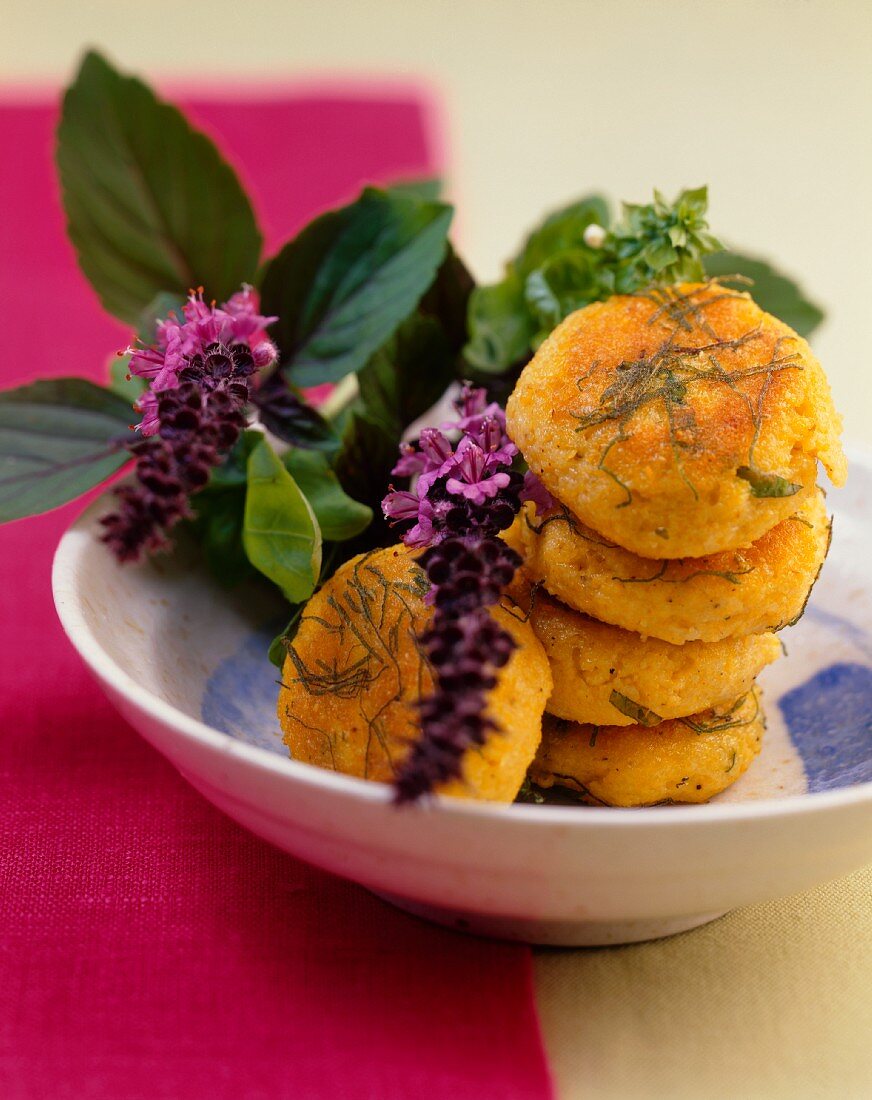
(707, 599)
(354, 674)
(647, 416)
(607, 676)
(683, 760)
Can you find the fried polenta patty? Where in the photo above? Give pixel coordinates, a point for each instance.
(354, 674)
(682, 760)
(612, 677)
(677, 423)
(727, 595)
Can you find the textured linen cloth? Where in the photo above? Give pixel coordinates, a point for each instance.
(150, 948)
(772, 1002)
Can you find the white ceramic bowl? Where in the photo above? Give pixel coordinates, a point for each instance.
(185, 663)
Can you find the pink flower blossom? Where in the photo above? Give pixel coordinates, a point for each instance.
(474, 473)
(412, 462)
(178, 341)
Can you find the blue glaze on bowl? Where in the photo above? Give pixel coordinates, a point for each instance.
(830, 722)
(820, 697)
(240, 696)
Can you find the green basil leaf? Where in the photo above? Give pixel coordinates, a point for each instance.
(58, 438)
(407, 375)
(642, 715)
(659, 242)
(772, 290)
(285, 412)
(447, 300)
(508, 319)
(341, 288)
(219, 518)
(767, 485)
(560, 286)
(562, 230)
(151, 205)
(280, 533)
(363, 466)
(427, 190)
(339, 517)
(501, 330)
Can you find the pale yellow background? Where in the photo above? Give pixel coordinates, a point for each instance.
(770, 103)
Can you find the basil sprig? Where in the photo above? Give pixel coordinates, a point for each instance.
(560, 268)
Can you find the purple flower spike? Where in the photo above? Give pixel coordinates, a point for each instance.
(461, 500)
(465, 647)
(199, 370)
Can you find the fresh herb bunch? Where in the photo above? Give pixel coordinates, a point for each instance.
(580, 255)
(370, 297)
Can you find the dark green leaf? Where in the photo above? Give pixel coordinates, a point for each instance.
(767, 485)
(151, 205)
(121, 381)
(341, 288)
(218, 525)
(447, 300)
(407, 375)
(285, 412)
(506, 320)
(58, 438)
(280, 532)
(339, 517)
(501, 330)
(427, 190)
(773, 291)
(401, 382)
(636, 711)
(369, 453)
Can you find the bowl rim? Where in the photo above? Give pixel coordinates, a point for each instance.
(78, 540)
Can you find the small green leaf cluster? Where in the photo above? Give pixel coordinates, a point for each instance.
(561, 268)
(661, 242)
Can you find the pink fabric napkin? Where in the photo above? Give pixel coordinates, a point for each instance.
(149, 948)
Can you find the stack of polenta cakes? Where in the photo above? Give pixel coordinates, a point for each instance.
(679, 433)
